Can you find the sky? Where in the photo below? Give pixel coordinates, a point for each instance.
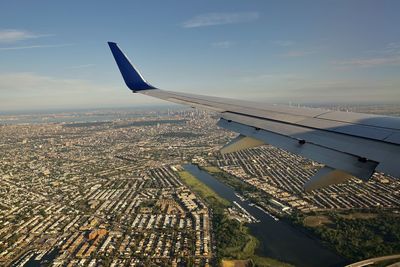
(54, 54)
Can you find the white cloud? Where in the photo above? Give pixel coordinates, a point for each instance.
(283, 43)
(299, 53)
(369, 62)
(84, 66)
(281, 87)
(32, 83)
(392, 48)
(389, 55)
(32, 47)
(12, 35)
(223, 44)
(265, 78)
(31, 90)
(352, 90)
(211, 19)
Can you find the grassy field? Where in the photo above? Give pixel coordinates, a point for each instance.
(255, 261)
(202, 190)
(236, 263)
(316, 220)
(358, 215)
(212, 169)
(267, 262)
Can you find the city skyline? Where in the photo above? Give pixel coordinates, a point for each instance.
(273, 52)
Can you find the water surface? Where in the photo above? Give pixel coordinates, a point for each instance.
(278, 239)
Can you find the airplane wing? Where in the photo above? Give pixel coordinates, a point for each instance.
(348, 144)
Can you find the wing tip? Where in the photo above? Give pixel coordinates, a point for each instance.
(132, 77)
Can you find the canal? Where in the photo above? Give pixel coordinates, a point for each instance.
(278, 239)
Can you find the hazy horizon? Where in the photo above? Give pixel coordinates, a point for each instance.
(172, 106)
(335, 51)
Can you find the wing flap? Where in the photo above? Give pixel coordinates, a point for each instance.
(239, 143)
(325, 177)
(333, 158)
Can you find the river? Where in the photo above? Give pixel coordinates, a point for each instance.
(278, 239)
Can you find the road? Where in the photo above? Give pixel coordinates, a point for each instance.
(374, 260)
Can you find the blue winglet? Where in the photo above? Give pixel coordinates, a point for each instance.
(132, 77)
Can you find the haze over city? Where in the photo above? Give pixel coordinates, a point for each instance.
(54, 55)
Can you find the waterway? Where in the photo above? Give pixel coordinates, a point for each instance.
(278, 239)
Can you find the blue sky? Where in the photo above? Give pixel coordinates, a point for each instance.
(54, 54)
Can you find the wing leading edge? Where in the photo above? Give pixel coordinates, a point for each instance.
(349, 144)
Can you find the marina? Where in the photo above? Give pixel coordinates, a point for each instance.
(278, 239)
(266, 212)
(247, 214)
